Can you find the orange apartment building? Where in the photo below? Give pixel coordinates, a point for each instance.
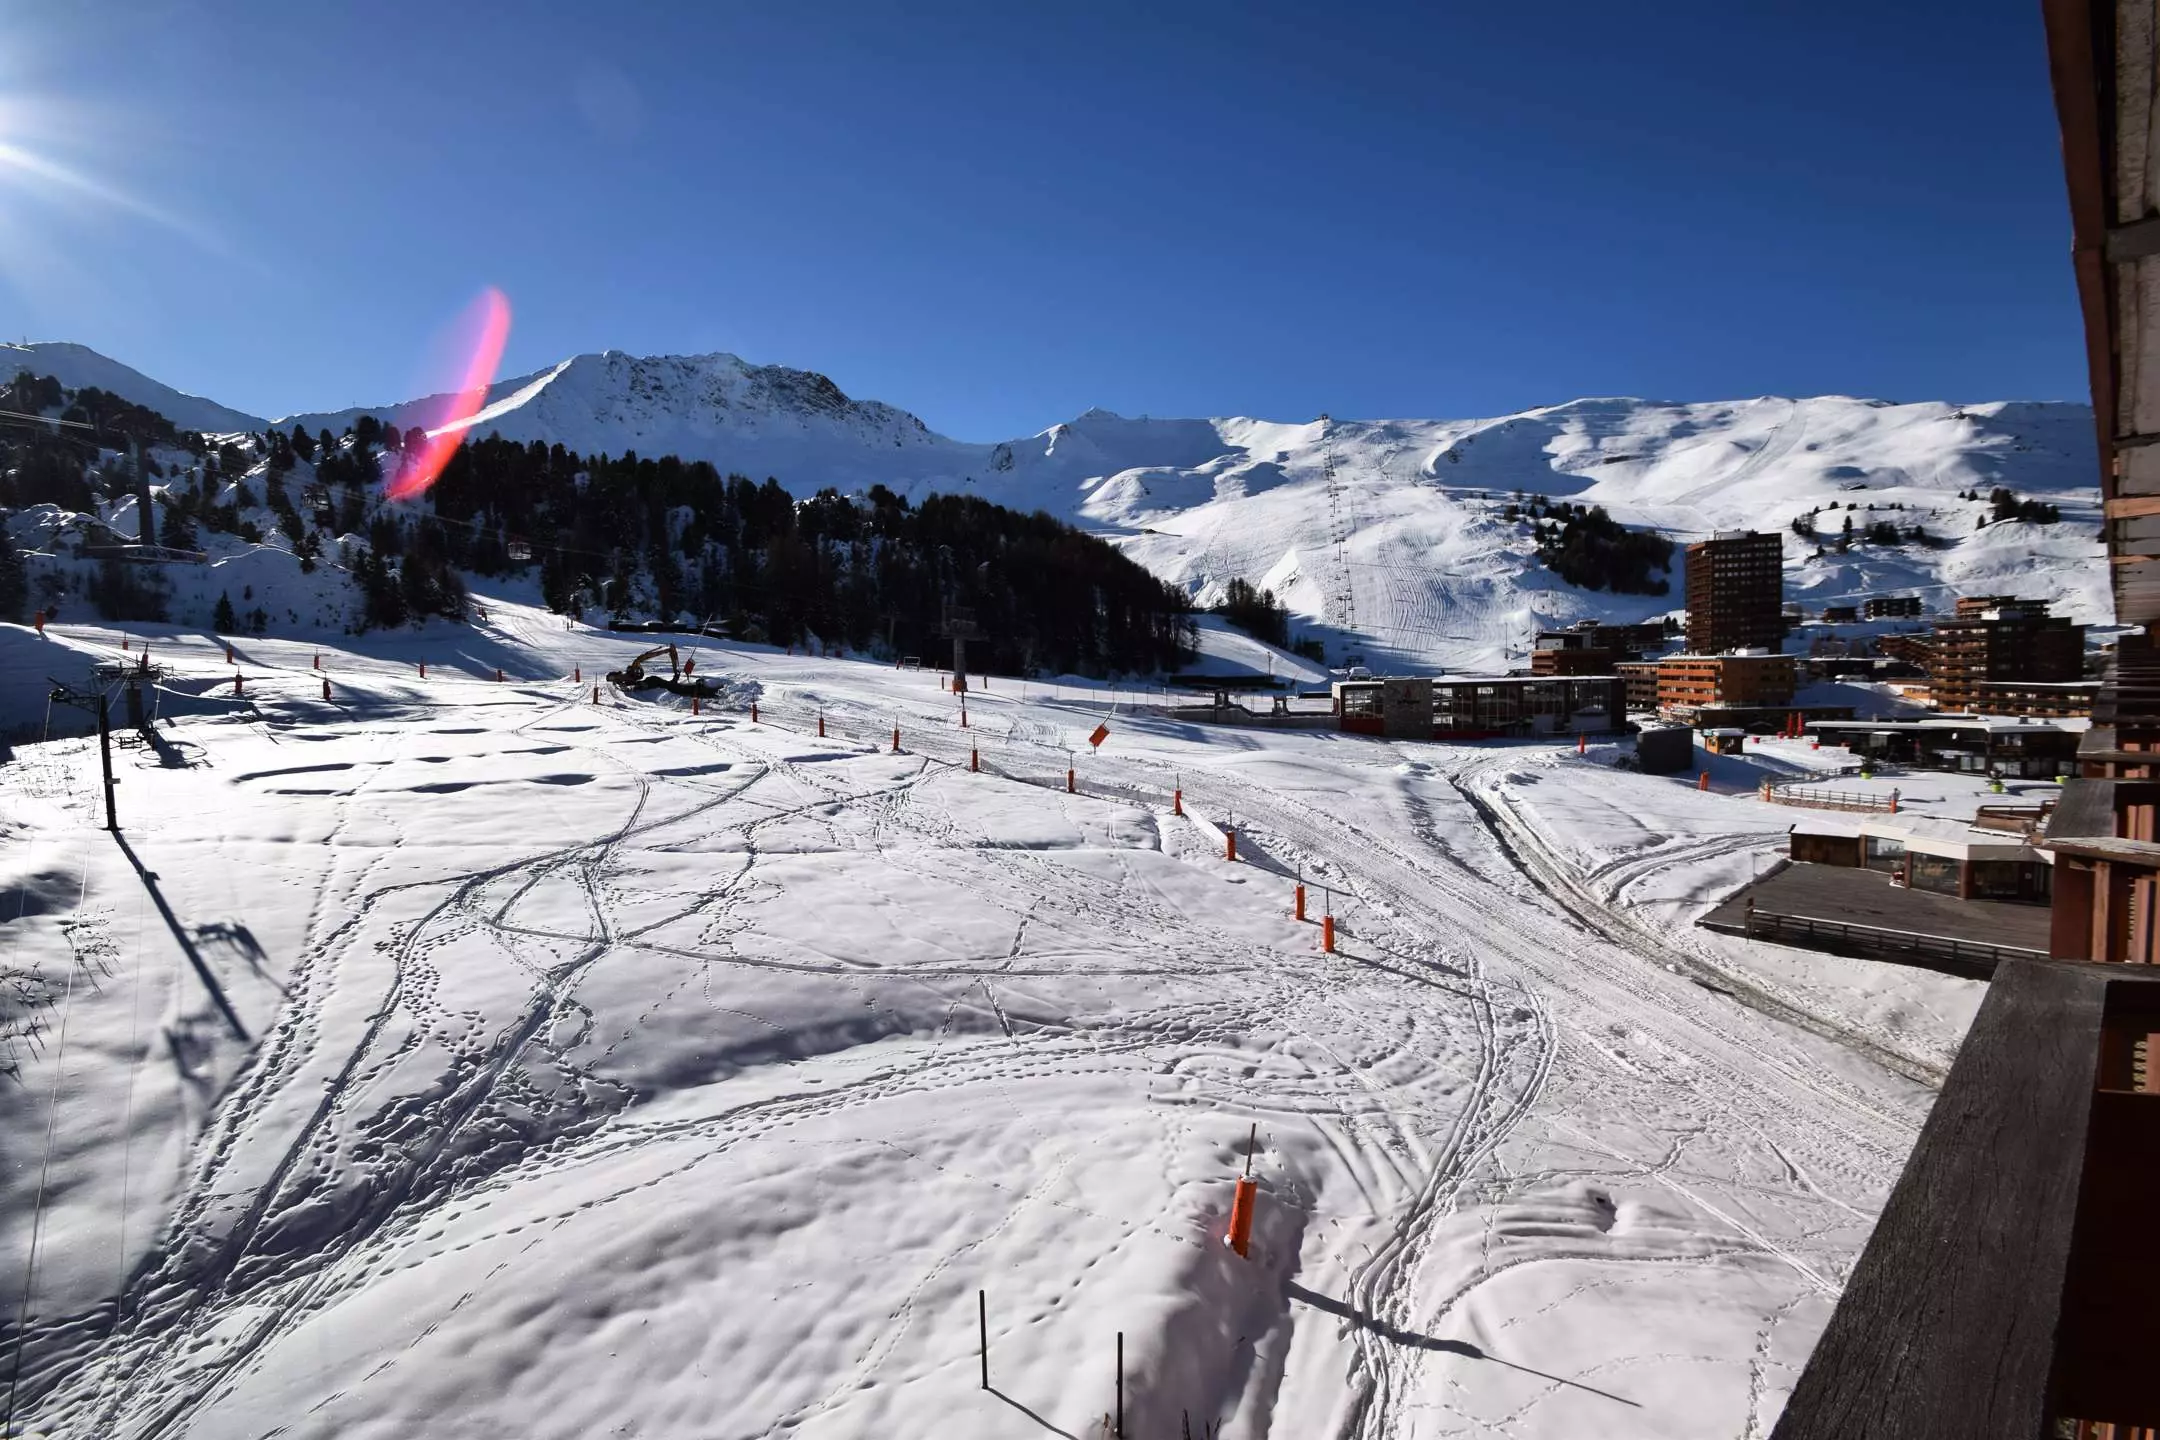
(1690, 683)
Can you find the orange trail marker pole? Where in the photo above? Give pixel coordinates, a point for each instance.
(1301, 900)
(1582, 744)
(577, 674)
(693, 702)
(1229, 838)
(236, 682)
(1069, 788)
(1241, 1211)
(1327, 933)
(753, 712)
(498, 674)
(963, 717)
(1704, 782)
(974, 760)
(821, 725)
(318, 662)
(228, 654)
(423, 669)
(1177, 802)
(896, 739)
(326, 687)
(123, 642)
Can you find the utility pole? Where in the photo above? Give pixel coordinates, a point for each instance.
(146, 528)
(104, 740)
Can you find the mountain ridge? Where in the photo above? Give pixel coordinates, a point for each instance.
(1393, 537)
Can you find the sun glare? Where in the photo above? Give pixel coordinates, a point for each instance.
(481, 331)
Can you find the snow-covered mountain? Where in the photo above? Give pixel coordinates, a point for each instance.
(78, 366)
(1388, 536)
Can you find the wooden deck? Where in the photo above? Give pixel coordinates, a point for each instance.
(2007, 1285)
(1849, 896)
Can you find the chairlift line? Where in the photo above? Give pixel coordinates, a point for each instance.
(21, 415)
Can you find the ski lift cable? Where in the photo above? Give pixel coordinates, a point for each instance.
(22, 415)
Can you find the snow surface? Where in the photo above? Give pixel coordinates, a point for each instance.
(1405, 556)
(618, 1070)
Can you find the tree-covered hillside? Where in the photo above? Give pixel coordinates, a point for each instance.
(622, 538)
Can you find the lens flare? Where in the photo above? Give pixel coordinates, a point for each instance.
(487, 322)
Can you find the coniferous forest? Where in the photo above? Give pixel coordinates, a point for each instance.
(631, 535)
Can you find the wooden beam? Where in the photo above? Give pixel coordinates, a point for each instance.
(2127, 244)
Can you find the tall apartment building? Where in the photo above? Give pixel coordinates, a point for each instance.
(1996, 638)
(1736, 592)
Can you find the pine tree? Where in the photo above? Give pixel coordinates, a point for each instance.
(223, 620)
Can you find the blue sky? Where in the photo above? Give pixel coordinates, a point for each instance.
(998, 215)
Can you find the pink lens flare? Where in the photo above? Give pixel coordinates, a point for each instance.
(487, 322)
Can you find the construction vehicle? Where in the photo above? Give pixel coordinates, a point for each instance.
(632, 676)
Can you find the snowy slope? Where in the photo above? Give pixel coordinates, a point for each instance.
(77, 366)
(616, 1071)
(1388, 537)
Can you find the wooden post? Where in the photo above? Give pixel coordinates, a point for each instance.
(982, 1325)
(596, 694)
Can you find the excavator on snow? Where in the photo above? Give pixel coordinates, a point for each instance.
(632, 675)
